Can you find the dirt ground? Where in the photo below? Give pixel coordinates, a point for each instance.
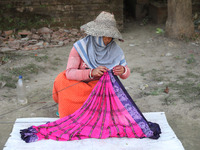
(155, 62)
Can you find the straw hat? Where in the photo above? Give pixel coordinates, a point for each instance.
(103, 25)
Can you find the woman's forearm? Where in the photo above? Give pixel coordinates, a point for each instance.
(126, 74)
(73, 70)
(78, 74)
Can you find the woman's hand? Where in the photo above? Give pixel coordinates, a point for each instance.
(118, 70)
(99, 71)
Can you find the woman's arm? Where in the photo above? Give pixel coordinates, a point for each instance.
(121, 71)
(73, 71)
(126, 73)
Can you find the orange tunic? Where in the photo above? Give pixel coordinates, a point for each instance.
(70, 94)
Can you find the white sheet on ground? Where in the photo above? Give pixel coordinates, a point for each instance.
(167, 141)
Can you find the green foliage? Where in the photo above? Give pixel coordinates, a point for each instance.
(22, 21)
(156, 92)
(160, 31)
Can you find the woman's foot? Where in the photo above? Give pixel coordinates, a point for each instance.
(57, 113)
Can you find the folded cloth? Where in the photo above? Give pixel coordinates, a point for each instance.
(109, 111)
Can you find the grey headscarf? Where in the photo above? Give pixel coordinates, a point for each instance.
(95, 53)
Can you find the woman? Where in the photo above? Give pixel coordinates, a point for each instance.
(89, 58)
(92, 101)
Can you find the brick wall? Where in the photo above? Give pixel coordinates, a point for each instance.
(69, 13)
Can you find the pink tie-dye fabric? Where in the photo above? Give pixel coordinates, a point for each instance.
(108, 112)
(101, 116)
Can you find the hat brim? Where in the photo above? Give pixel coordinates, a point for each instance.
(95, 29)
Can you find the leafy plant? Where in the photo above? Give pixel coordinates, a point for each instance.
(160, 31)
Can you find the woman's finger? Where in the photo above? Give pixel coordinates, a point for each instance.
(118, 67)
(99, 71)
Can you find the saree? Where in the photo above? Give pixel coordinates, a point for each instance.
(108, 112)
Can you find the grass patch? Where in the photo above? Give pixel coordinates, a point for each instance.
(9, 75)
(154, 92)
(155, 76)
(191, 59)
(192, 75)
(168, 100)
(9, 80)
(53, 68)
(41, 58)
(181, 77)
(177, 57)
(56, 61)
(188, 91)
(137, 69)
(25, 70)
(6, 57)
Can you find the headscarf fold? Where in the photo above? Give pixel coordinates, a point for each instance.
(95, 53)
